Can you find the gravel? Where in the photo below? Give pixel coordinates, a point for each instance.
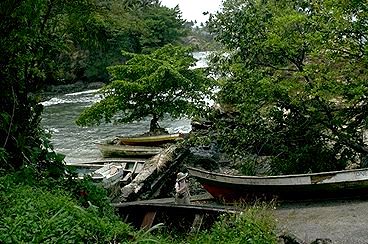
(342, 221)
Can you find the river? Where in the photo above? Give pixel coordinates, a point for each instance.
(78, 143)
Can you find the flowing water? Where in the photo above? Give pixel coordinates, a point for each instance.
(78, 143)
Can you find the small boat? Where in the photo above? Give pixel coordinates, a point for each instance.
(334, 184)
(109, 171)
(113, 150)
(179, 217)
(157, 140)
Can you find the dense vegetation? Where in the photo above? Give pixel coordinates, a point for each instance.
(34, 35)
(46, 210)
(132, 26)
(54, 211)
(292, 89)
(254, 225)
(199, 37)
(156, 84)
(52, 42)
(294, 82)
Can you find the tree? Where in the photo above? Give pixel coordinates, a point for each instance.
(132, 26)
(155, 84)
(34, 33)
(162, 26)
(295, 72)
(54, 41)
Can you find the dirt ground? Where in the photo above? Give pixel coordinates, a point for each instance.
(342, 221)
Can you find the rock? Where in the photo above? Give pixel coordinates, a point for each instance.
(95, 85)
(322, 241)
(287, 238)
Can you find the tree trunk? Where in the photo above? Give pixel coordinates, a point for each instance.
(154, 124)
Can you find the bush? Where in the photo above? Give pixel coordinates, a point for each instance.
(84, 191)
(40, 215)
(51, 211)
(254, 225)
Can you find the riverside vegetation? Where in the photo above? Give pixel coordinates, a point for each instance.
(292, 77)
(56, 42)
(55, 210)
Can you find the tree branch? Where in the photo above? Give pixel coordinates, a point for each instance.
(275, 68)
(11, 118)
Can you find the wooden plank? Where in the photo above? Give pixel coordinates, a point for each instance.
(126, 177)
(108, 160)
(148, 219)
(197, 223)
(83, 165)
(139, 167)
(96, 165)
(134, 168)
(105, 170)
(203, 208)
(113, 178)
(142, 160)
(123, 165)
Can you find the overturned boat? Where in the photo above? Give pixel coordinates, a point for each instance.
(334, 184)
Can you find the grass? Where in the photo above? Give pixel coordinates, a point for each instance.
(49, 211)
(31, 214)
(254, 225)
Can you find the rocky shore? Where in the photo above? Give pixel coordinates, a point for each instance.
(53, 90)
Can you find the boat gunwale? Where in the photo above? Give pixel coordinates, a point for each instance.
(129, 147)
(151, 138)
(275, 176)
(107, 160)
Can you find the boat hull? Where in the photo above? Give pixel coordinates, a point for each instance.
(110, 151)
(150, 140)
(337, 184)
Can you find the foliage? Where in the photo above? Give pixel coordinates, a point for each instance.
(45, 42)
(151, 85)
(85, 191)
(254, 225)
(132, 26)
(199, 37)
(40, 210)
(294, 75)
(42, 214)
(33, 34)
(162, 26)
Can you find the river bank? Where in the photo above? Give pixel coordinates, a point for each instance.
(341, 221)
(57, 90)
(78, 143)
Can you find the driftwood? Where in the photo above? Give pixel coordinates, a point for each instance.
(156, 174)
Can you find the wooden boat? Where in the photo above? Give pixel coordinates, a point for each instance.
(90, 166)
(150, 140)
(113, 150)
(179, 217)
(334, 184)
(109, 171)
